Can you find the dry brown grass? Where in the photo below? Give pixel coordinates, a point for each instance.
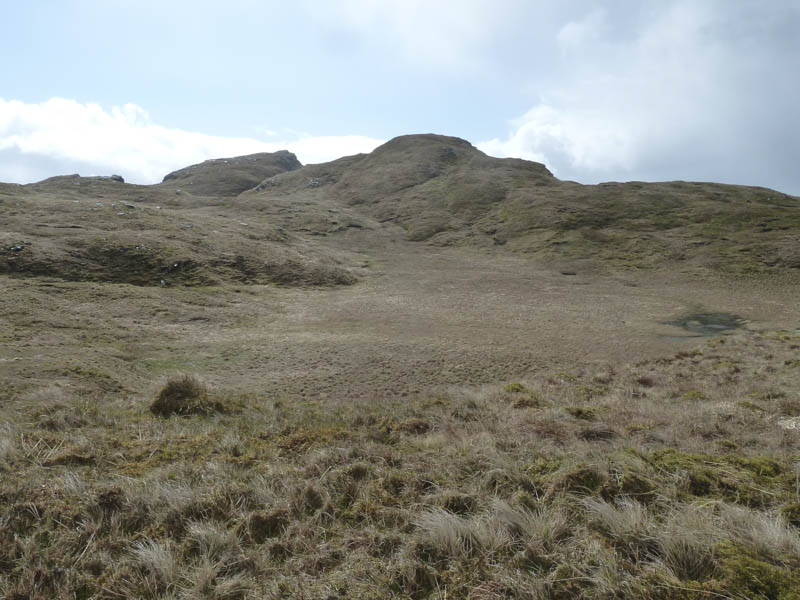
(357, 499)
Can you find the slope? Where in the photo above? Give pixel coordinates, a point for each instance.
(443, 191)
(97, 229)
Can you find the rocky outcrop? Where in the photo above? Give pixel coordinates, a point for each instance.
(231, 176)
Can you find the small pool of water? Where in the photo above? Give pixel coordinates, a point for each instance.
(709, 324)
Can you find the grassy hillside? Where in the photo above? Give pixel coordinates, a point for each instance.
(262, 218)
(445, 192)
(96, 229)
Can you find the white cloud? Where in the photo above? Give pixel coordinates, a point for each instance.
(685, 90)
(583, 139)
(59, 136)
(317, 149)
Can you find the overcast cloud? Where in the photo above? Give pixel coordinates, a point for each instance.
(624, 90)
(696, 91)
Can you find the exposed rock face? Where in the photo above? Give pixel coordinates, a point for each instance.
(231, 176)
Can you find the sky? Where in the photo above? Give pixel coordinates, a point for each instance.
(604, 90)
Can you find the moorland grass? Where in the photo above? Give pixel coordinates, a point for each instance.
(464, 493)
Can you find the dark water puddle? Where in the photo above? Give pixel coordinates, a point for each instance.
(709, 324)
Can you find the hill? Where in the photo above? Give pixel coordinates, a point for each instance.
(445, 192)
(230, 176)
(97, 229)
(439, 190)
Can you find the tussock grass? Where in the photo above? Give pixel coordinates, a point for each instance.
(185, 395)
(462, 494)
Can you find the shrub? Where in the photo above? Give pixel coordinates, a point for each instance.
(528, 401)
(414, 426)
(185, 395)
(580, 412)
(516, 388)
(519, 396)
